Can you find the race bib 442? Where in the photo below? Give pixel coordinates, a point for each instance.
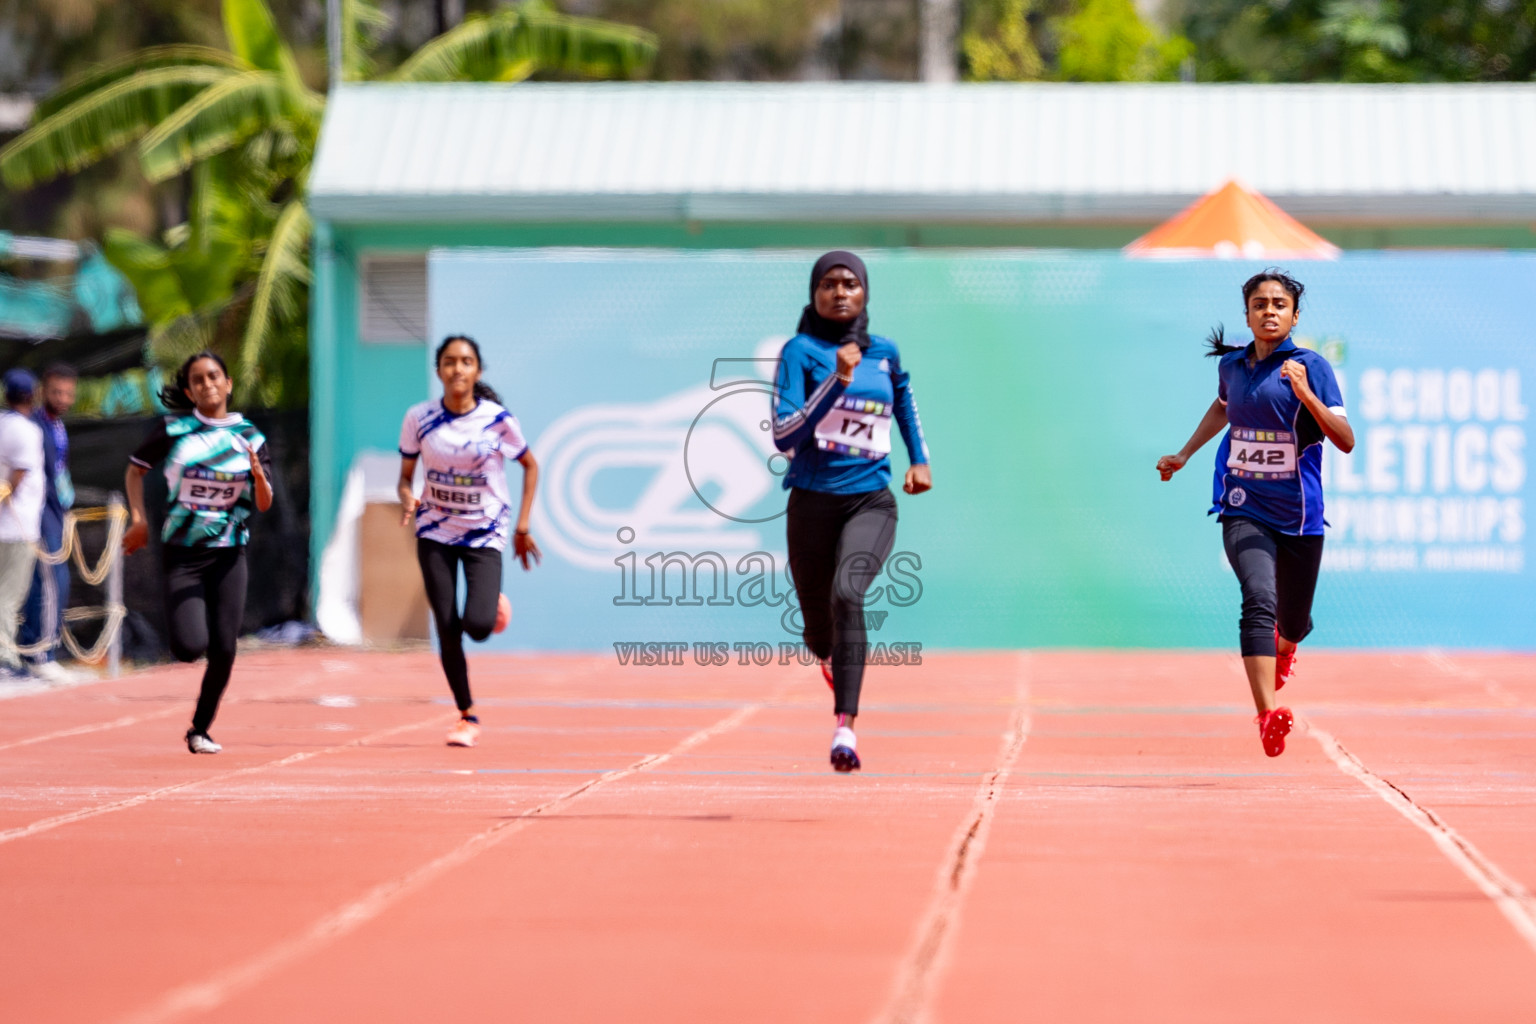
(855, 426)
(1262, 454)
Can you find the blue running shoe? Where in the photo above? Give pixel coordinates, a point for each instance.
(845, 754)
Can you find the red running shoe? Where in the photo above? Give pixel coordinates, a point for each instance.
(1285, 664)
(1273, 727)
(826, 673)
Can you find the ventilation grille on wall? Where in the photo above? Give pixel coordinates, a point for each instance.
(394, 299)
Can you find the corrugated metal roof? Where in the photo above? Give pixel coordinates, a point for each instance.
(910, 152)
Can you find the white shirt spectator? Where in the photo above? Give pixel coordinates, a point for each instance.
(21, 447)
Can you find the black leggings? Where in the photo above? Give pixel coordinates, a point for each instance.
(482, 578)
(205, 603)
(838, 543)
(1278, 573)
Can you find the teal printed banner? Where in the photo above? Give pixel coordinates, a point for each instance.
(1049, 384)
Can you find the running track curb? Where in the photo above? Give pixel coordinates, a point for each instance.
(49, 824)
(935, 935)
(210, 994)
(1513, 899)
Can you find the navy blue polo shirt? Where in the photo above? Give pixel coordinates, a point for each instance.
(1269, 467)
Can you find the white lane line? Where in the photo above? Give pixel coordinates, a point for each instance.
(96, 811)
(85, 730)
(1514, 900)
(917, 980)
(209, 995)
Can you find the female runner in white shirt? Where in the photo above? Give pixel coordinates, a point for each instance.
(464, 513)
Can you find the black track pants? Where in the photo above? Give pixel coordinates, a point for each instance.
(482, 578)
(1278, 573)
(838, 543)
(205, 603)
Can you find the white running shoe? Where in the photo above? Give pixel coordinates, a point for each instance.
(464, 733)
(54, 674)
(201, 743)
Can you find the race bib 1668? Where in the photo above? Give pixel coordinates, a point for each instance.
(456, 493)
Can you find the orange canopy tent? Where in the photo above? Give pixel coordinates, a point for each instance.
(1233, 223)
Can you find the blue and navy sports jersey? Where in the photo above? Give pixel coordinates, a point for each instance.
(211, 494)
(838, 436)
(465, 500)
(1270, 464)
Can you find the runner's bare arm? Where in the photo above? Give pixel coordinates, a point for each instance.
(1212, 423)
(262, 484)
(523, 545)
(137, 534)
(405, 490)
(1334, 427)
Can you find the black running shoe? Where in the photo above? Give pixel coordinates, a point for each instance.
(845, 759)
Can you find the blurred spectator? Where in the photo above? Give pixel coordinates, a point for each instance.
(21, 507)
(43, 612)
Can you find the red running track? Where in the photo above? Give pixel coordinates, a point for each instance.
(1059, 836)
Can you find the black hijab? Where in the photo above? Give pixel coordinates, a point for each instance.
(838, 332)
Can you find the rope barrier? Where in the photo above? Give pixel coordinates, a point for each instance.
(117, 525)
(116, 518)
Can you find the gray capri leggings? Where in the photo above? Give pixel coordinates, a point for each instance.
(1278, 574)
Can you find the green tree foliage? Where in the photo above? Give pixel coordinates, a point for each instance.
(1108, 41)
(240, 123)
(1361, 40)
(997, 43)
(728, 39)
(1066, 40)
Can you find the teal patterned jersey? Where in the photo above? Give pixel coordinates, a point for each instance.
(210, 494)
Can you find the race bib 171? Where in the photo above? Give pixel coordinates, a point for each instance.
(1262, 454)
(856, 426)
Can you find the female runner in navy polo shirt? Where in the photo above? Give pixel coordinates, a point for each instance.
(837, 389)
(1280, 402)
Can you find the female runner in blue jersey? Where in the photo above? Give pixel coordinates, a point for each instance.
(1277, 403)
(464, 512)
(218, 470)
(838, 388)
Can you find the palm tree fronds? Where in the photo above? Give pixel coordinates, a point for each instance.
(484, 47)
(102, 122)
(283, 272)
(252, 34)
(148, 268)
(363, 25)
(217, 119)
(172, 342)
(147, 59)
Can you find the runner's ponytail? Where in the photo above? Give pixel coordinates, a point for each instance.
(1217, 342)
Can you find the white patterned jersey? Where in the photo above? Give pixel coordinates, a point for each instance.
(464, 500)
